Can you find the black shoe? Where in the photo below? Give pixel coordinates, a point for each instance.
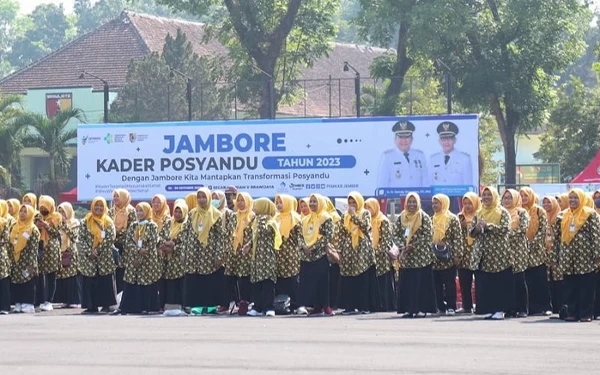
(116, 312)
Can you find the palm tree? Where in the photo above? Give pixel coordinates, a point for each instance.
(11, 136)
(51, 136)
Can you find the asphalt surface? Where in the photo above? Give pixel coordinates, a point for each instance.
(65, 342)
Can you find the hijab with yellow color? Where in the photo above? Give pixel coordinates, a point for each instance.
(476, 203)
(191, 200)
(575, 217)
(352, 228)
(71, 222)
(244, 217)
(204, 217)
(589, 202)
(411, 220)
(31, 198)
(264, 207)
(377, 218)
(306, 201)
(311, 224)
(19, 229)
(441, 219)
(3, 214)
(140, 231)
(162, 213)
(493, 212)
(287, 218)
(122, 209)
(515, 208)
(97, 224)
(552, 215)
(563, 201)
(330, 208)
(177, 226)
(534, 212)
(14, 206)
(53, 218)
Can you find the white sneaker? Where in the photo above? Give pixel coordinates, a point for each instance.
(254, 313)
(270, 313)
(450, 312)
(174, 312)
(3, 312)
(420, 315)
(487, 316)
(302, 311)
(18, 308)
(27, 308)
(548, 313)
(498, 316)
(46, 306)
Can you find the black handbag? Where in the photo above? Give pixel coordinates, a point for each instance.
(443, 253)
(281, 304)
(116, 255)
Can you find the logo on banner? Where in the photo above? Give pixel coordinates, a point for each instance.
(132, 137)
(58, 102)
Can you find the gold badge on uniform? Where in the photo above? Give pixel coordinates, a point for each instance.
(446, 126)
(398, 174)
(435, 176)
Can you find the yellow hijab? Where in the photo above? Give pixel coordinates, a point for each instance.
(140, 232)
(575, 217)
(163, 211)
(377, 218)
(533, 209)
(204, 218)
(19, 229)
(409, 220)
(476, 203)
(264, 207)
(191, 200)
(31, 198)
(97, 224)
(563, 201)
(306, 201)
(492, 213)
(287, 218)
(3, 214)
(53, 218)
(122, 209)
(552, 215)
(70, 220)
(14, 205)
(441, 219)
(514, 208)
(177, 226)
(330, 208)
(312, 223)
(244, 217)
(589, 202)
(352, 228)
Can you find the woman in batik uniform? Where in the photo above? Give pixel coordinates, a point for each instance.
(563, 201)
(333, 255)
(48, 224)
(317, 229)
(191, 201)
(536, 274)
(596, 200)
(30, 199)
(266, 242)
(578, 256)
(142, 271)
(288, 256)
(172, 250)
(204, 259)
(219, 201)
(304, 207)
(492, 257)
(23, 250)
(446, 232)
(161, 216)
(68, 282)
(10, 212)
(244, 216)
(413, 232)
(511, 201)
(96, 262)
(554, 216)
(123, 215)
(4, 260)
(470, 207)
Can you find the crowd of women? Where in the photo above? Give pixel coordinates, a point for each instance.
(228, 253)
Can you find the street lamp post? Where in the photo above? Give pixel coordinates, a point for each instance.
(82, 76)
(347, 68)
(448, 78)
(188, 90)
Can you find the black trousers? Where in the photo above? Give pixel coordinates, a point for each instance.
(465, 278)
(98, 291)
(355, 292)
(521, 293)
(170, 292)
(580, 293)
(538, 289)
(45, 288)
(597, 299)
(120, 271)
(387, 292)
(139, 298)
(334, 285)
(24, 293)
(68, 291)
(495, 291)
(314, 283)
(557, 294)
(445, 288)
(416, 291)
(289, 286)
(5, 294)
(263, 295)
(204, 290)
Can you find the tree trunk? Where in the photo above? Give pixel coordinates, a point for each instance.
(507, 127)
(52, 177)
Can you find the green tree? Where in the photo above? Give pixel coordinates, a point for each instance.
(51, 136)
(276, 36)
(10, 138)
(489, 146)
(8, 15)
(572, 136)
(505, 55)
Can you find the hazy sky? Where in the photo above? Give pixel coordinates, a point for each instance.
(28, 5)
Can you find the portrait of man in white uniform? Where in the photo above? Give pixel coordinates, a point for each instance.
(450, 166)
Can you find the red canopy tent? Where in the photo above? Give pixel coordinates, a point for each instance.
(591, 173)
(68, 196)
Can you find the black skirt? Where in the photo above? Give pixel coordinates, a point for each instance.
(539, 289)
(387, 292)
(416, 292)
(23, 293)
(204, 290)
(171, 292)
(314, 283)
(139, 298)
(98, 291)
(495, 291)
(68, 291)
(5, 294)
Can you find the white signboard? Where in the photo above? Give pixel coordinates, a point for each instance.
(382, 156)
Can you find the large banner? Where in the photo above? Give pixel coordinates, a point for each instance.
(381, 156)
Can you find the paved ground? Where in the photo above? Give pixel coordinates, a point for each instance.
(64, 342)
